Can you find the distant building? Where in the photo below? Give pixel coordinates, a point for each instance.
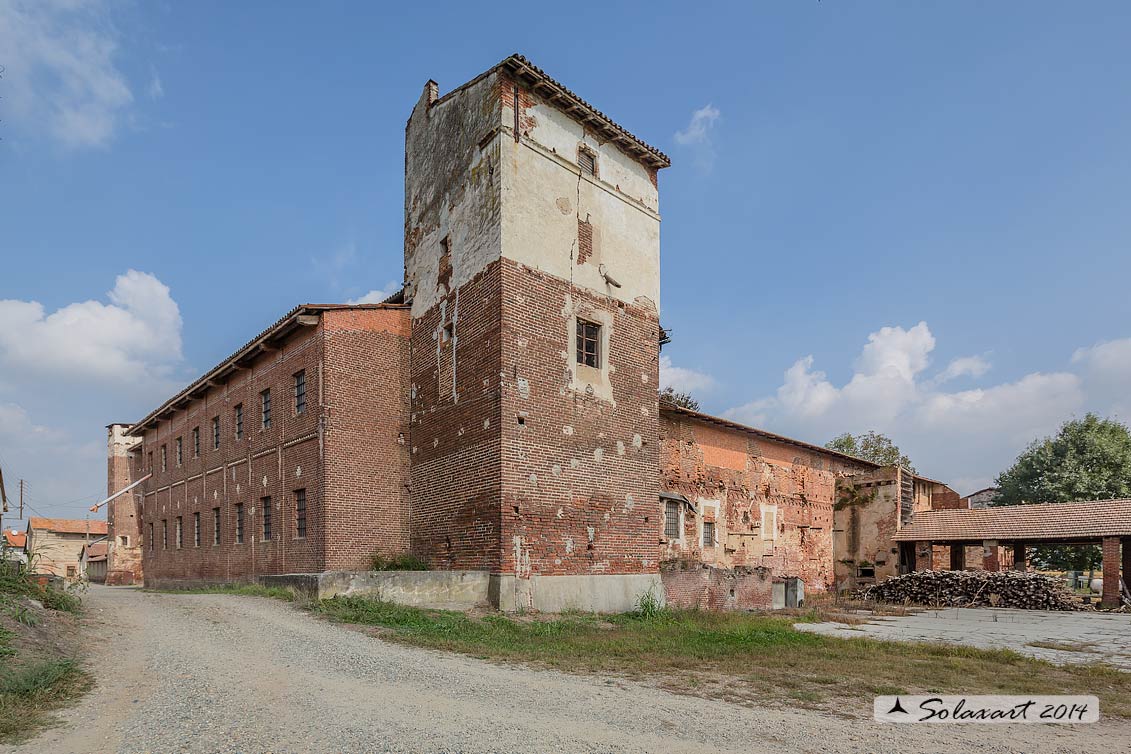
(982, 498)
(92, 561)
(13, 548)
(54, 545)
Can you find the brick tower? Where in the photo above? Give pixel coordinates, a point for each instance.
(532, 265)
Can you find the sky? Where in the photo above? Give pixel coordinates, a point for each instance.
(904, 217)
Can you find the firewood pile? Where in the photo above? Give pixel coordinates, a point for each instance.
(1028, 591)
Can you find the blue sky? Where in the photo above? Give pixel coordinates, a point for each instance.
(906, 217)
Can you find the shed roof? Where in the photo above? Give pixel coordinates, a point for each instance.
(1031, 523)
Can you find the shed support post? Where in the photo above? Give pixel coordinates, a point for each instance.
(923, 556)
(1110, 597)
(991, 561)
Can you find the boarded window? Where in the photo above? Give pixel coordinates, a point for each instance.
(708, 533)
(588, 343)
(587, 161)
(671, 520)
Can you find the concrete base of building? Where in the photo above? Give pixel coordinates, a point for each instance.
(605, 593)
(444, 590)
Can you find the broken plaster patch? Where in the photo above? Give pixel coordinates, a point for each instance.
(620, 448)
(637, 441)
(557, 470)
(567, 430)
(598, 454)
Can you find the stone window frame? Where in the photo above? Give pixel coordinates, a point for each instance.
(591, 381)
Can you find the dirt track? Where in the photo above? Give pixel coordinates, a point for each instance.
(219, 673)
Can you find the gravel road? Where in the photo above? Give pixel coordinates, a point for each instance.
(223, 673)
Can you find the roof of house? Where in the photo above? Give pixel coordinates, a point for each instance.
(300, 316)
(15, 538)
(984, 489)
(1044, 521)
(97, 550)
(557, 94)
(67, 525)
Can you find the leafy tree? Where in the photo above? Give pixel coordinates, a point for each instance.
(871, 446)
(683, 400)
(1087, 459)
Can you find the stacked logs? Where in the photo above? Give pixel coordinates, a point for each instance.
(1028, 591)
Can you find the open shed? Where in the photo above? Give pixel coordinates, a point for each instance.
(1103, 522)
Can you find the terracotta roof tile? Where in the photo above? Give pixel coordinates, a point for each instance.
(15, 538)
(1065, 521)
(68, 525)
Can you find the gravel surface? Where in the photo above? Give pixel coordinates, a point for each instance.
(223, 673)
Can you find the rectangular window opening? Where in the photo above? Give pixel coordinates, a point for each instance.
(215, 526)
(180, 453)
(239, 523)
(265, 515)
(238, 413)
(196, 442)
(180, 532)
(300, 392)
(671, 520)
(588, 343)
(587, 161)
(196, 529)
(265, 407)
(215, 432)
(708, 533)
(300, 513)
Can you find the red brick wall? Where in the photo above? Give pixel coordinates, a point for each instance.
(367, 435)
(265, 462)
(455, 431)
(580, 486)
(700, 586)
(704, 461)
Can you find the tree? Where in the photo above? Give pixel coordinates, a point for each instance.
(683, 400)
(1087, 459)
(871, 446)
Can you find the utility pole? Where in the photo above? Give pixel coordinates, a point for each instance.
(21, 499)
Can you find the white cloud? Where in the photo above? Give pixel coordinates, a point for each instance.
(964, 366)
(136, 337)
(60, 73)
(17, 426)
(698, 130)
(377, 295)
(697, 136)
(682, 379)
(967, 435)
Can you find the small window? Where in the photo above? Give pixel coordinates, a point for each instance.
(300, 392)
(265, 516)
(215, 526)
(164, 534)
(300, 513)
(196, 529)
(164, 458)
(237, 413)
(124, 540)
(587, 161)
(265, 407)
(180, 533)
(239, 523)
(708, 533)
(449, 331)
(588, 343)
(672, 528)
(215, 432)
(196, 442)
(180, 452)
(70, 571)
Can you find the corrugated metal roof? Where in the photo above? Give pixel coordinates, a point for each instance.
(1044, 521)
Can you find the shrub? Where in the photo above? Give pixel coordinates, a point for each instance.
(380, 562)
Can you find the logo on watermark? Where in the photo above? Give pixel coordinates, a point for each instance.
(986, 709)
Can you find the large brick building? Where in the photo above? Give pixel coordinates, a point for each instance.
(500, 414)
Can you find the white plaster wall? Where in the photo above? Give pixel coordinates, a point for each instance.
(544, 195)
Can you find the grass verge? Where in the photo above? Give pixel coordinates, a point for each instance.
(29, 694)
(742, 657)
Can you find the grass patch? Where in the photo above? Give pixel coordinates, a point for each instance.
(29, 695)
(16, 586)
(251, 590)
(741, 657)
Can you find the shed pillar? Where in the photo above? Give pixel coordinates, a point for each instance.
(1019, 562)
(924, 560)
(958, 556)
(991, 558)
(1110, 597)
